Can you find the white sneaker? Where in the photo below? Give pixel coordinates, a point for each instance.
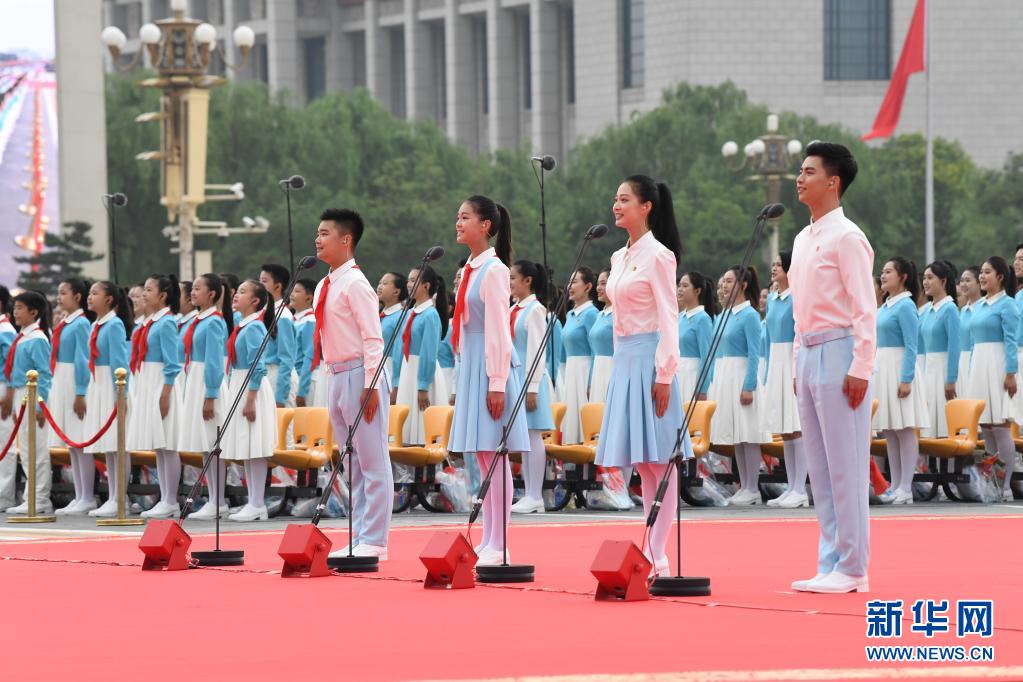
(492, 557)
(660, 569)
(1007, 496)
(744, 498)
(775, 502)
(804, 585)
(83, 507)
(208, 512)
(162, 510)
(107, 510)
(887, 496)
(902, 497)
(528, 506)
(794, 501)
(339, 553)
(42, 507)
(371, 550)
(839, 583)
(250, 513)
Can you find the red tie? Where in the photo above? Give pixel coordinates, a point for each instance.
(231, 356)
(456, 335)
(56, 345)
(382, 314)
(406, 336)
(190, 334)
(9, 363)
(139, 347)
(514, 314)
(93, 348)
(321, 304)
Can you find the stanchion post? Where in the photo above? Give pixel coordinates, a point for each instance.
(31, 410)
(121, 380)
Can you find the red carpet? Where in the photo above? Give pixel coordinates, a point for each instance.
(109, 620)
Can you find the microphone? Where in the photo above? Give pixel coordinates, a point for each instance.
(294, 182)
(435, 253)
(596, 232)
(547, 162)
(772, 211)
(117, 199)
(306, 263)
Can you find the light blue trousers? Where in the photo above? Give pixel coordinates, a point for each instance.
(837, 443)
(372, 483)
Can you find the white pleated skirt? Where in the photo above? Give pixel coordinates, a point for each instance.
(147, 430)
(194, 433)
(243, 439)
(101, 399)
(576, 394)
(61, 403)
(318, 387)
(408, 394)
(964, 373)
(781, 413)
(603, 365)
(449, 380)
(688, 373)
(935, 371)
(734, 422)
(894, 412)
(271, 376)
(987, 382)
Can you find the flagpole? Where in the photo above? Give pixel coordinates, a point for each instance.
(929, 172)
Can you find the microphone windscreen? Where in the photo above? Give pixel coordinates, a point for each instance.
(119, 199)
(296, 182)
(548, 162)
(435, 253)
(307, 262)
(774, 211)
(596, 232)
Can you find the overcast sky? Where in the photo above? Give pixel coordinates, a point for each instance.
(27, 24)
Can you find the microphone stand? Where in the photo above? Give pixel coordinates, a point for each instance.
(505, 572)
(679, 585)
(112, 211)
(291, 237)
(219, 557)
(352, 563)
(543, 239)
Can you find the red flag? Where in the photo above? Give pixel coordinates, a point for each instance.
(912, 60)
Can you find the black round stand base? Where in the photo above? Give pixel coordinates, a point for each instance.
(680, 586)
(354, 564)
(505, 573)
(219, 557)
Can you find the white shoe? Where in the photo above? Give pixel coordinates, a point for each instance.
(804, 585)
(162, 510)
(478, 549)
(83, 507)
(1007, 496)
(902, 497)
(250, 513)
(107, 510)
(528, 506)
(371, 550)
(660, 568)
(491, 557)
(208, 512)
(339, 553)
(794, 501)
(42, 507)
(838, 583)
(778, 500)
(887, 496)
(744, 498)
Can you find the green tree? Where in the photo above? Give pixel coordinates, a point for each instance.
(62, 257)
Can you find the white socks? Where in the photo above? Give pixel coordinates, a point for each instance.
(534, 465)
(111, 458)
(83, 472)
(1006, 452)
(255, 480)
(747, 463)
(168, 470)
(903, 457)
(650, 475)
(795, 465)
(494, 504)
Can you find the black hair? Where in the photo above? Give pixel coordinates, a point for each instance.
(216, 285)
(263, 299)
(535, 272)
(231, 283)
(168, 284)
(837, 160)
(786, 260)
(973, 270)
(278, 273)
(436, 283)
(907, 268)
(1019, 246)
(307, 284)
(500, 224)
(346, 221)
(122, 306)
(80, 287)
(588, 277)
(1001, 266)
(752, 282)
(400, 283)
(35, 300)
(662, 212)
(6, 302)
(942, 269)
(708, 296)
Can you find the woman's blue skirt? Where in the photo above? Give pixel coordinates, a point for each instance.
(631, 432)
(473, 430)
(540, 419)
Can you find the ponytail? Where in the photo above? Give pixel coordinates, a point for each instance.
(215, 284)
(942, 269)
(907, 269)
(122, 306)
(169, 286)
(752, 282)
(430, 278)
(538, 279)
(708, 297)
(500, 224)
(662, 212)
(263, 298)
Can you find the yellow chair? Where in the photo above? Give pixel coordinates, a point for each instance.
(558, 411)
(437, 427)
(699, 426)
(396, 418)
(591, 415)
(963, 423)
(313, 439)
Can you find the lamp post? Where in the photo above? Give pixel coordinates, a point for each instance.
(771, 157)
(181, 51)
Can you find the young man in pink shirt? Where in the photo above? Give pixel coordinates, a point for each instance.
(831, 279)
(348, 334)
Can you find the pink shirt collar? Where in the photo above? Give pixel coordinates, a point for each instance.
(817, 225)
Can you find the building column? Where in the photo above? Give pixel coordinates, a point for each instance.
(339, 51)
(419, 91)
(545, 49)
(598, 62)
(461, 107)
(282, 46)
(378, 57)
(503, 104)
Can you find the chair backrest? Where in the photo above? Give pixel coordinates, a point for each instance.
(396, 417)
(437, 424)
(284, 417)
(592, 416)
(558, 412)
(699, 426)
(963, 417)
(311, 425)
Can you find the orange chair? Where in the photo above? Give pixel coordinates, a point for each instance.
(591, 415)
(437, 428)
(558, 411)
(699, 426)
(313, 439)
(962, 416)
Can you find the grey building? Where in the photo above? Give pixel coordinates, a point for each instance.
(495, 72)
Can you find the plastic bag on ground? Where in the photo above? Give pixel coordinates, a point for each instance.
(454, 487)
(613, 495)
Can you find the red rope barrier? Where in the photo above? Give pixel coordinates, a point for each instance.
(63, 436)
(14, 433)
